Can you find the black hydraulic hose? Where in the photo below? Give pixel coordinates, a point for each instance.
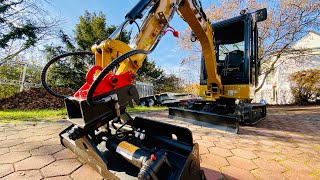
(110, 67)
(106, 70)
(53, 60)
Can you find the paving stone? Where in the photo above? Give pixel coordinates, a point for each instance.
(196, 137)
(210, 138)
(307, 150)
(232, 172)
(245, 146)
(6, 169)
(10, 143)
(269, 165)
(4, 150)
(37, 138)
(244, 153)
(8, 133)
(269, 155)
(211, 172)
(288, 151)
(225, 145)
(248, 141)
(298, 167)
(34, 162)
(46, 150)
(297, 176)
(220, 151)
(61, 167)
(315, 163)
(85, 172)
(24, 175)
(59, 178)
(302, 158)
(203, 150)
(214, 160)
(52, 141)
(317, 176)
(26, 146)
(13, 157)
(263, 174)
(267, 142)
(205, 143)
(64, 154)
(241, 163)
(3, 138)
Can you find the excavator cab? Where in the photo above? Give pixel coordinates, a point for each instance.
(236, 47)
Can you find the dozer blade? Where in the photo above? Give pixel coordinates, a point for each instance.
(218, 121)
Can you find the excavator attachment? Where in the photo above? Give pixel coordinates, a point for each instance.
(225, 118)
(218, 121)
(120, 147)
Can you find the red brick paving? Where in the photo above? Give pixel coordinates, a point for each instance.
(6, 169)
(85, 173)
(220, 151)
(269, 165)
(286, 145)
(263, 174)
(60, 168)
(25, 175)
(34, 162)
(297, 176)
(232, 172)
(242, 163)
(244, 153)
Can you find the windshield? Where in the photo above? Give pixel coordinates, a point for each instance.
(225, 49)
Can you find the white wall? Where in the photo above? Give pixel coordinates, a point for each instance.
(279, 90)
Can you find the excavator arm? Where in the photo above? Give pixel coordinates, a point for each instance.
(154, 26)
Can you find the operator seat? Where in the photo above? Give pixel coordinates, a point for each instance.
(234, 61)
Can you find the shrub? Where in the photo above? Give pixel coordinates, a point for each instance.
(305, 85)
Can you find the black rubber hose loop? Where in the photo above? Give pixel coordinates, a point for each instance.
(53, 60)
(110, 67)
(106, 70)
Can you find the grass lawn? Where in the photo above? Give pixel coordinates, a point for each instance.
(19, 116)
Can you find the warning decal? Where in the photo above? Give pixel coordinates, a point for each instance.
(126, 149)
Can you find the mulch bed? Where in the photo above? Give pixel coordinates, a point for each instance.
(36, 98)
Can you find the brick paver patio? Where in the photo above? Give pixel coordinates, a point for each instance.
(286, 145)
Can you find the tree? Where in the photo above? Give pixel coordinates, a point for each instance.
(8, 72)
(92, 27)
(71, 72)
(288, 21)
(149, 72)
(305, 85)
(23, 23)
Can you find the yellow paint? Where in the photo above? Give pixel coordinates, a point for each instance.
(204, 33)
(237, 91)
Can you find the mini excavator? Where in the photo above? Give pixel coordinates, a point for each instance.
(118, 146)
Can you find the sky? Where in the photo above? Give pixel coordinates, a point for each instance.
(167, 54)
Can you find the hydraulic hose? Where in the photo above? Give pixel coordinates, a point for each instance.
(110, 67)
(106, 70)
(53, 60)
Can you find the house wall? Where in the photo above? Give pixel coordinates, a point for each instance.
(277, 88)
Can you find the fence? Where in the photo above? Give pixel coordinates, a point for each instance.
(20, 74)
